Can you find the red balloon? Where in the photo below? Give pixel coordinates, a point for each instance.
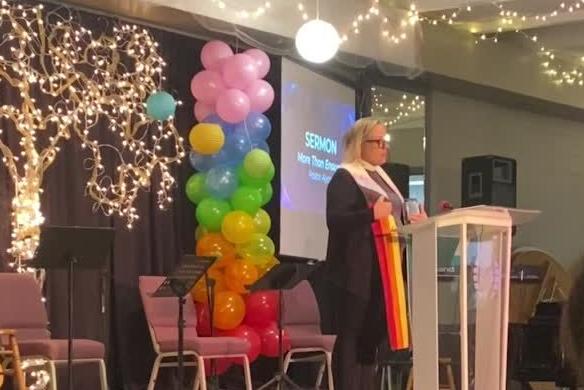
(221, 366)
(270, 337)
(203, 324)
(251, 336)
(261, 309)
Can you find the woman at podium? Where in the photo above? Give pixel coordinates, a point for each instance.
(359, 194)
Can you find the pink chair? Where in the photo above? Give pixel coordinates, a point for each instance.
(301, 319)
(162, 317)
(22, 309)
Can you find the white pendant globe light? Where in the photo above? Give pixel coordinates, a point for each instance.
(317, 41)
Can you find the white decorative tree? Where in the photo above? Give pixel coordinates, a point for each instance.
(67, 84)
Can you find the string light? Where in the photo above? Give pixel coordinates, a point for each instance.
(562, 71)
(391, 31)
(87, 81)
(40, 376)
(398, 111)
(244, 13)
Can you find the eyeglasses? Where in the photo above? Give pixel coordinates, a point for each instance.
(380, 143)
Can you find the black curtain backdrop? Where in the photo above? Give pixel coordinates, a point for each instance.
(107, 305)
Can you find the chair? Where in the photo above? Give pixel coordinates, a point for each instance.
(9, 351)
(301, 320)
(162, 317)
(22, 309)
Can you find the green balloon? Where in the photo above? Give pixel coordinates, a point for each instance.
(195, 188)
(267, 192)
(210, 213)
(251, 181)
(248, 199)
(257, 164)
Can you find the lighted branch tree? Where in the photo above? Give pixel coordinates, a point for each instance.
(69, 84)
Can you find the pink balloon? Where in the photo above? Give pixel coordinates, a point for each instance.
(233, 106)
(239, 71)
(261, 95)
(261, 60)
(214, 53)
(203, 110)
(206, 86)
(248, 334)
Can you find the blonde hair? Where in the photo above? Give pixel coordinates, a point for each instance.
(353, 140)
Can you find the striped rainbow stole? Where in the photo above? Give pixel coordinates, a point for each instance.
(389, 255)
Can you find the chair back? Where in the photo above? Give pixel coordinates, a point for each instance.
(300, 306)
(162, 313)
(22, 308)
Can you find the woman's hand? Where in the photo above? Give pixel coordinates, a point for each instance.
(382, 208)
(415, 218)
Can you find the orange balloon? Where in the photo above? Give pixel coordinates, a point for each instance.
(199, 291)
(240, 275)
(228, 311)
(214, 244)
(223, 262)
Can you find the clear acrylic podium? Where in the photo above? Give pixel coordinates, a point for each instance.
(472, 249)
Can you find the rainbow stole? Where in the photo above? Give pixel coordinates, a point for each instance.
(389, 256)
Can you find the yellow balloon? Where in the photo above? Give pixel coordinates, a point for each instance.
(266, 266)
(262, 222)
(238, 227)
(206, 138)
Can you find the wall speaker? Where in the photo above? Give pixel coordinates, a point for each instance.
(489, 180)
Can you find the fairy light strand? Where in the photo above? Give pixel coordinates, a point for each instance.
(393, 114)
(244, 13)
(392, 31)
(86, 81)
(560, 68)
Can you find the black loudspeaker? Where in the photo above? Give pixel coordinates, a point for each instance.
(400, 174)
(489, 180)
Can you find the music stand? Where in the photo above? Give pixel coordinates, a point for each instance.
(71, 247)
(283, 276)
(178, 284)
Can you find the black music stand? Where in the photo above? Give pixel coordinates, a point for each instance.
(178, 284)
(284, 276)
(72, 247)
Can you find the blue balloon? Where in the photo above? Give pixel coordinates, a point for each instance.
(237, 145)
(203, 163)
(257, 126)
(160, 105)
(221, 182)
(214, 118)
(263, 145)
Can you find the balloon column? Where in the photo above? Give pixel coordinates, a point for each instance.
(231, 184)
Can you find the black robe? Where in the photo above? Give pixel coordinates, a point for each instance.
(358, 316)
